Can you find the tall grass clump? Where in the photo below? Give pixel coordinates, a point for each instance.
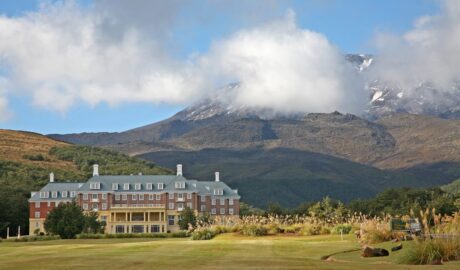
(433, 251)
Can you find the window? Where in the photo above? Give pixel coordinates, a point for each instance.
(37, 204)
(141, 197)
(44, 195)
(158, 197)
(170, 220)
(64, 194)
(104, 196)
(85, 206)
(104, 218)
(126, 186)
(95, 206)
(222, 211)
(54, 194)
(160, 185)
(119, 229)
(124, 197)
(213, 201)
(230, 211)
(155, 228)
(171, 196)
(189, 196)
(203, 198)
(218, 191)
(95, 196)
(179, 185)
(213, 211)
(117, 197)
(37, 214)
(95, 185)
(49, 204)
(151, 197)
(203, 208)
(137, 229)
(37, 225)
(189, 205)
(104, 206)
(222, 202)
(137, 186)
(171, 205)
(72, 194)
(85, 196)
(115, 186)
(180, 196)
(149, 186)
(230, 201)
(134, 197)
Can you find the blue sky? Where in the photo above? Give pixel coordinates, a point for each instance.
(349, 25)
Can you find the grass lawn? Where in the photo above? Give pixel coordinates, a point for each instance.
(224, 252)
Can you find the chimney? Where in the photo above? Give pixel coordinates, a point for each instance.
(95, 170)
(52, 177)
(179, 169)
(217, 176)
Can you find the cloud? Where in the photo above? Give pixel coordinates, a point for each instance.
(114, 52)
(427, 53)
(285, 68)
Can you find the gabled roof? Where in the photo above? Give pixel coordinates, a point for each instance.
(57, 186)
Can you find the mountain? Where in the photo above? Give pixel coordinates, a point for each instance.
(26, 159)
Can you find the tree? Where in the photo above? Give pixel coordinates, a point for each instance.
(187, 217)
(92, 225)
(66, 220)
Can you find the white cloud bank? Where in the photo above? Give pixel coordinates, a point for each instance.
(64, 54)
(430, 52)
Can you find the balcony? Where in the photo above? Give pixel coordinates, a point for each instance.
(180, 199)
(181, 208)
(149, 205)
(94, 200)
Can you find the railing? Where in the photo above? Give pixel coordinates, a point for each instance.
(181, 199)
(147, 205)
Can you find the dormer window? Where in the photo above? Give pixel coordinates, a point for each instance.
(72, 194)
(44, 195)
(218, 191)
(64, 194)
(149, 186)
(95, 185)
(161, 186)
(137, 186)
(54, 194)
(114, 186)
(126, 186)
(179, 185)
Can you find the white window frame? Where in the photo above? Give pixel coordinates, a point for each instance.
(160, 186)
(222, 201)
(158, 197)
(203, 198)
(95, 185)
(104, 206)
(222, 211)
(203, 208)
(104, 196)
(230, 211)
(37, 204)
(64, 194)
(117, 197)
(95, 196)
(115, 186)
(126, 186)
(189, 205)
(151, 197)
(137, 186)
(213, 211)
(37, 214)
(134, 197)
(179, 185)
(189, 196)
(141, 197)
(149, 186)
(124, 197)
(230, 201)
(85, 196)
(171, 205)
(44, 195)
(73, 194)
(213, 201)
(171, 196)
(54, 194)
(85, 206)
(180, 195)
(218, 191)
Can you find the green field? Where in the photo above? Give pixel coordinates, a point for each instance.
(224, 252)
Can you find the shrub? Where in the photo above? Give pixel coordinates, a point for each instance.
(90, 236)
(203, 234)
(311, 229)
(432, 251)
(254, 230)
(33, 238)
(342, 228)
(37, 157)
(180, 234)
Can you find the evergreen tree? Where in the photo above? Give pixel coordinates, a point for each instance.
(66, 220)
(187, 217)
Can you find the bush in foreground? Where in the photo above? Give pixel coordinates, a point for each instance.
(432, 251)
(180, 234)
